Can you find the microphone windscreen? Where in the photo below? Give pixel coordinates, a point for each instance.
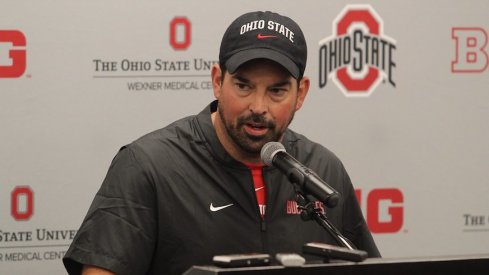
(269, 150)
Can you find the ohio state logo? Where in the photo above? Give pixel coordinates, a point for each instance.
(358, 56)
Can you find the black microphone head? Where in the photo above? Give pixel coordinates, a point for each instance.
(269, 150)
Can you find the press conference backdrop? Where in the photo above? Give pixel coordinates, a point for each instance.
(399, 92)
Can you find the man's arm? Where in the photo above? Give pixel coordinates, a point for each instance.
(94, 270)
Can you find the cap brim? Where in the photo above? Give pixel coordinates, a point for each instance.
(238, 59)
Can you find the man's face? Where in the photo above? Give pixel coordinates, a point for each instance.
(256, 105)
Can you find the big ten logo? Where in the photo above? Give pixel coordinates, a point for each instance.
(15, 64)
(384, 209)
(22, 203)
(180, 33)
(470, 50)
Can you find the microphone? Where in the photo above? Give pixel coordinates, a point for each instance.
(274, 154)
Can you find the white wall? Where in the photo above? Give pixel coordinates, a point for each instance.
(62, 120)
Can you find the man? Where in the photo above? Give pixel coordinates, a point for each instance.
(197, 188)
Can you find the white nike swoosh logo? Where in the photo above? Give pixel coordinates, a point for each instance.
(217, 208)
(259, 188)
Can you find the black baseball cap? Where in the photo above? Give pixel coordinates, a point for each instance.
(264, 35)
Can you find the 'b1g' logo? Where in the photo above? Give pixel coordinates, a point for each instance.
(384, 209)
(17, 54)
(470, 50)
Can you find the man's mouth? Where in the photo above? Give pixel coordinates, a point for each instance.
(255, 129)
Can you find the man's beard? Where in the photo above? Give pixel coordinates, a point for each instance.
(249, 143)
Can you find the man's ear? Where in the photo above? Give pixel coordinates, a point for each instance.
(302, 91)
(216, 76)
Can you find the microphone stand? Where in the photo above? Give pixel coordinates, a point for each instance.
(346, 249)
(310, 212)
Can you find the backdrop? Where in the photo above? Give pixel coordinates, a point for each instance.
(399, 92)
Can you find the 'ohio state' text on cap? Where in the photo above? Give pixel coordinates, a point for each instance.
(264, 35)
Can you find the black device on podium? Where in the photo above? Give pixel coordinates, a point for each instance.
(469, 265)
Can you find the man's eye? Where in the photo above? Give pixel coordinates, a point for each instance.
(278, 91)
(242, 86)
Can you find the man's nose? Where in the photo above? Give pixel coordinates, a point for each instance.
(258, 105)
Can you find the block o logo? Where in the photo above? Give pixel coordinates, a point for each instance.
(17, 54)
(22, 203)
(180, 33)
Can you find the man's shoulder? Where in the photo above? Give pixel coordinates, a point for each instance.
(181, 129)
(190, 128)
(299, 142)
(162, 142)
(305, 149)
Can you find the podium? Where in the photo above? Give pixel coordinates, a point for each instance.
(466, 265)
